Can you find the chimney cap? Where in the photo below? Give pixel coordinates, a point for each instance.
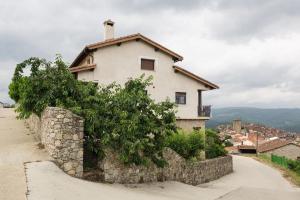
(108, 22)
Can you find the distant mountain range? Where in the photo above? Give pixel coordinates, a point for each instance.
(283, 118)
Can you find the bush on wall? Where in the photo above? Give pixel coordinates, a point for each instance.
(214, 146)
(188, 145)
(124, 119)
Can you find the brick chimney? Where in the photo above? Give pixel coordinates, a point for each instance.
(108, 29)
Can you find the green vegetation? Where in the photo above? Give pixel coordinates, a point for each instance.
(214, 146)
(124, 119)
(293, 165)
(288, 167)
(188, 145)
(280, 160)
(227, 142)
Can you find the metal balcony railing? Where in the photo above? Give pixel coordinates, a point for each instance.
(204, 111)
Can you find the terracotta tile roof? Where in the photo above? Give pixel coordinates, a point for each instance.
(195, 77)
(119, 40)
(82, 68)
(273, 144)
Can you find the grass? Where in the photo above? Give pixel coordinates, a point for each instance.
(290, 175)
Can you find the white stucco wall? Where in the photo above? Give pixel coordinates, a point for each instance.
(119, 63)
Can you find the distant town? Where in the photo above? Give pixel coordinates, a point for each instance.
(245, 137)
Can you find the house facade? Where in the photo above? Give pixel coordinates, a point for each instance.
(280, 147)
(118, 59)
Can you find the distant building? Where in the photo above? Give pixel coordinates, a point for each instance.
(279, 147)
(246, 148)
(237, 126)
(1, 105)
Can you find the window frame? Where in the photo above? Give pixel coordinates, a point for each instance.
(180, 93)
(148, 58)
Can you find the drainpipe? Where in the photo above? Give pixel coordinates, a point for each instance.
(199, 103)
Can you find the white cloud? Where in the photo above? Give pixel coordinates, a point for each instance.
(249, 48)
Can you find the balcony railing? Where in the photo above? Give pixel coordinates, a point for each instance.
(204, 111)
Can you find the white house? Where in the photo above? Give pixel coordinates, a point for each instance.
(118, 59)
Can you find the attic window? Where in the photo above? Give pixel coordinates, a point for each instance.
(147, 64)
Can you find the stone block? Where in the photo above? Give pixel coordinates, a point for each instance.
(68, 166)
(60, 116)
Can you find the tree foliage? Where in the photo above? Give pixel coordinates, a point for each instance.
(122, 118)
(214, 146)
(49, 84)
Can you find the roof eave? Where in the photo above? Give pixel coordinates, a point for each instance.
(135, 37)
(80, 56)
(207, 83)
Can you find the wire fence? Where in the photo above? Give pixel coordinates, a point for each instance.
(280, 160)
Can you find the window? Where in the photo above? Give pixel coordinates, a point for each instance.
(180, 97)
(147, 64)
(75, 75)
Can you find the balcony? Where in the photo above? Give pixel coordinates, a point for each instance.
(204, 111)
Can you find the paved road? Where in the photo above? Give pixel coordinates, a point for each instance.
(16, 147)
(254, 180)
(250, 180)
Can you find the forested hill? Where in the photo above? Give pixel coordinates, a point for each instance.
(283, 118)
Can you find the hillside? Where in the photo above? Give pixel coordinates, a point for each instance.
(283, 118)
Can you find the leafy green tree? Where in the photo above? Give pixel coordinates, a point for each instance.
(49, 84)
(124, 119)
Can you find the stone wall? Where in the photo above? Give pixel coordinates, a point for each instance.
(34, 124)
(178, 169)
(61, 132)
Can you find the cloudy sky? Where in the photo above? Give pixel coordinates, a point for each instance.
(250, 48)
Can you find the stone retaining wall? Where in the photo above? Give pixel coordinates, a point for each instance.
(61, 132)
(178, 169)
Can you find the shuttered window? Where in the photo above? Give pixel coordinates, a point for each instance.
(180, 97)
(147, 64)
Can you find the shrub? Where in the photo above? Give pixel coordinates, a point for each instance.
(124, 119)
(213, 145)
(294, 165)
(227, 143)
(188, 145)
